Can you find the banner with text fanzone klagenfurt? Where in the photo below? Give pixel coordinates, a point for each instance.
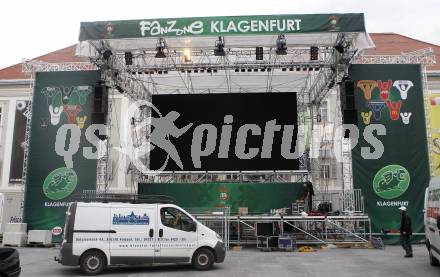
(394, 172)
(61, 113)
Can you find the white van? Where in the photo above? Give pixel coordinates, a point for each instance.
(432, 220)
(97, 235)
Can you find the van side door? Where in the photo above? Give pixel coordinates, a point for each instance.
(133, 241)
(177, 236)
(90, 229)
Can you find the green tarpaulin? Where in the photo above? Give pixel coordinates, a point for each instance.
(59, 98)
(257, 197)
(391, 95)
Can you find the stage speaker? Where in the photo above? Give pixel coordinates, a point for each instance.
(100, 105)
(259, 54)
(349, 117)
(347, 95)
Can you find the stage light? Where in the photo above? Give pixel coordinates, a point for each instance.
(160, 48)
(128, 58)
(219, 46)
(314, 53)
(118, 88)
(107, 53)
(342, 46)
(259, 53)
(281, 45)
(187, 56)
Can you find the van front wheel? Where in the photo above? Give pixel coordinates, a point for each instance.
(433, 260)
(93, 263)
(203, 259)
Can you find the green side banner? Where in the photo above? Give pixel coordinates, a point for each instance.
(391, 95)
(226, 25)
(59, 98)
(257, 197)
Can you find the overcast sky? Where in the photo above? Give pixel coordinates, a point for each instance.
(32, 28)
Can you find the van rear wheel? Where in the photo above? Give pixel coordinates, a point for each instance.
(203, 259)
(433, 260)
(93, 263)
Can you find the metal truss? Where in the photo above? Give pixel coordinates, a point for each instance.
(31, 66)
(239, 59)
(424, 56)
(226, 176)
(347, 229)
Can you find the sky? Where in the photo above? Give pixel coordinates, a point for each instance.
(33, 28)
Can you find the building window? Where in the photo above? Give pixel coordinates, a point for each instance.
(328, 171)
(323, 111)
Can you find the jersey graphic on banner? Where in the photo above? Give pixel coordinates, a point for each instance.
(50, 93)
(376, 107)
(403, 86)
(83, 93)
(405, 117)
(55, 113)
(72, 111)
(394, 108)
(80, 121)
(366, 117)
(367, 86)
(385, 88)
(66, 91)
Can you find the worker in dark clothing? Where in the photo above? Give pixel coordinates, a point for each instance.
(308, 196)
(406, 232)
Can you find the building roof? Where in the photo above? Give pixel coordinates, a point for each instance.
(386, 44)
(67, 54)
(395, 44)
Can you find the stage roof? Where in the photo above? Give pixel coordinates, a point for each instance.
(238, 32)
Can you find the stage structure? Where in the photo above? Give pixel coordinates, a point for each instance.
(306, 54)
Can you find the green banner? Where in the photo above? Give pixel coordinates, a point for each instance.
(391, 95)
(59, 98)
(257, 197)
(226, 25)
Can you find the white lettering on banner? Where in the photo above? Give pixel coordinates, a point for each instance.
(254, 26)
(154, 28)
(231, 26)
(392, 203)
(214, 27)
(242, 28)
